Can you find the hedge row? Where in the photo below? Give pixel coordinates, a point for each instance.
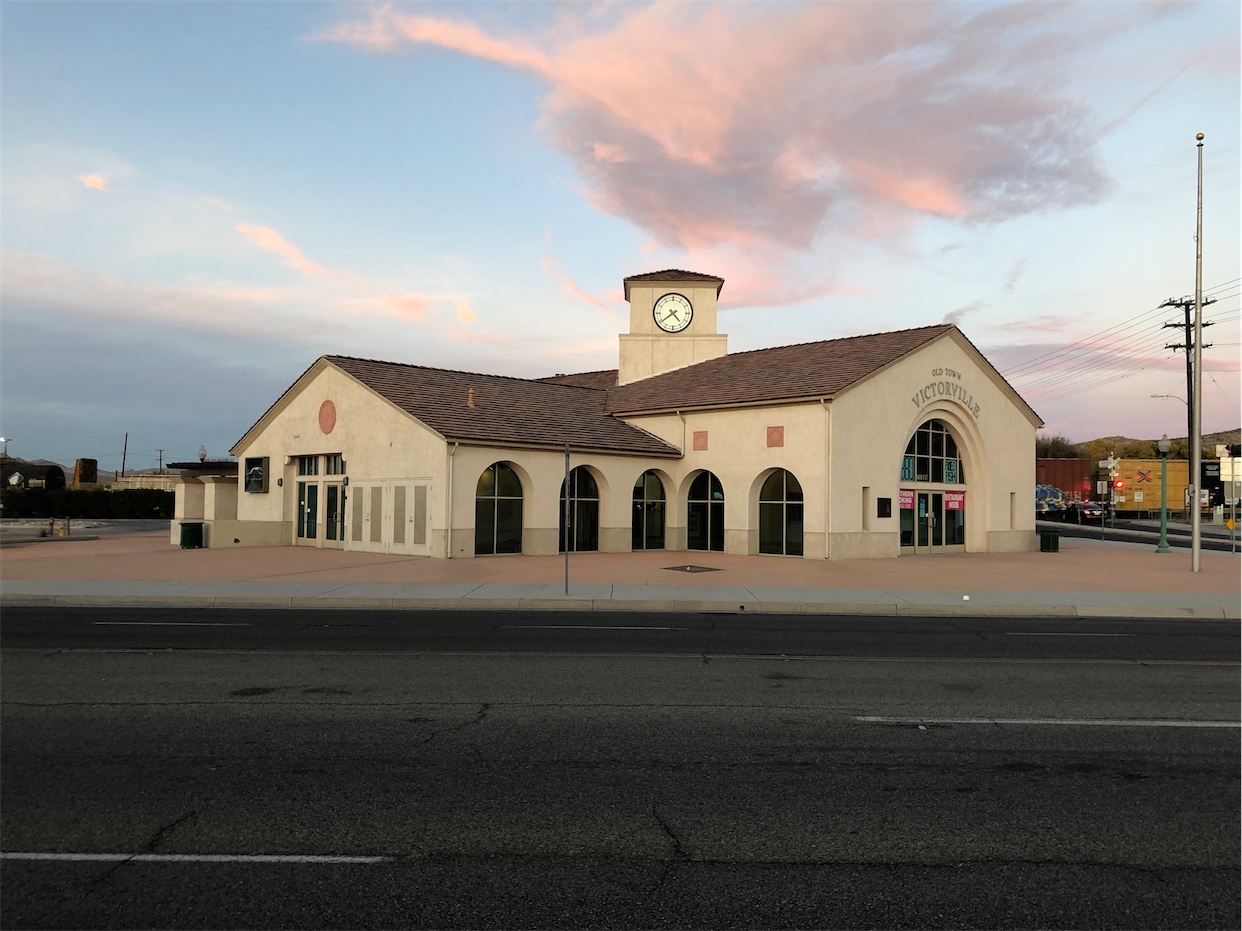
(88, 503)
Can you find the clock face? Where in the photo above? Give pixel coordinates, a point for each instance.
(673, 313)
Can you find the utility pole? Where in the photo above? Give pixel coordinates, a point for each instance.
(124, 450)
(1187, 305)
(1196, 446)
(161, 452)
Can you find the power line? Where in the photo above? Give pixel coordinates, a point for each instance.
(1086, 344)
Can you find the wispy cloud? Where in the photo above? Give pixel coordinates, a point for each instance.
(267, 238)
(1014, 275)
(956, 316)
(556, 272)
(96, 182)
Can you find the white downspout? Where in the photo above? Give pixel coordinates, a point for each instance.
(448, 507)
(827, 472)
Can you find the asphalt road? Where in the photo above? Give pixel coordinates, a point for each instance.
(588, 779)
(620, 632)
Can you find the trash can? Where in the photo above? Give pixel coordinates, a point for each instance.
(1049, 541)
(191, 535)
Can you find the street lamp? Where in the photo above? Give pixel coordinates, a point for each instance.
(1163, 445)
(1177, 396)
(5, 441)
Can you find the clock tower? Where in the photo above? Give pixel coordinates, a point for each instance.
(672, 323)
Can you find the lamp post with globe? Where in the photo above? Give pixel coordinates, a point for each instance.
(1164, 445)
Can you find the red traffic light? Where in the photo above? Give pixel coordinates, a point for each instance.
(1119, 484)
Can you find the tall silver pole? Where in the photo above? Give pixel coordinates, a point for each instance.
(1196, 440)
(566, 518)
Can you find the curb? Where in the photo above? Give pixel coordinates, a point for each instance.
(619, 605)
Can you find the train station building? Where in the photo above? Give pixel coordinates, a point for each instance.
(887, 444)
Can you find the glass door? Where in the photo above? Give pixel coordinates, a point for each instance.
(930, 521)
(308, 510)
(334, 515)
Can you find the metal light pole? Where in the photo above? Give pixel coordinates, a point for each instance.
(1164, 445)
(1196, 441)
(5, 441)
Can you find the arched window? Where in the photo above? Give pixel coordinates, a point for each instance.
(932, 516)
(931, 456)
(498, 511)
(647, 529)
(705, 514)
(780, 515)
(583, 512)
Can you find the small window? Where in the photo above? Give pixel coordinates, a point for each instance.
(334, 464)
(308, 465)
(256, 475)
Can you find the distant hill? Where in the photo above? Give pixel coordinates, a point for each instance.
(1125, 447)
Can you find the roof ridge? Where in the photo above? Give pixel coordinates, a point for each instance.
(436, 368)
(835, 339)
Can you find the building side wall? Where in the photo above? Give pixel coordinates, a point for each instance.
(378, 442)
(738, 453)
(872, 424)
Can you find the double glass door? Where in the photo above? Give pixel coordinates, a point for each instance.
(308, 526)
(929, 529)
(933, 521)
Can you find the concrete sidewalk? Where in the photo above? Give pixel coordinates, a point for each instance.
(1085, 579)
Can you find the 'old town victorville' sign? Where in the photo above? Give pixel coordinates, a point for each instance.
(947, 384)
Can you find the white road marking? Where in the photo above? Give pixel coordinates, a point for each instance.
(190, 858)
(166, 624)
(1060, 634)
(1065, 722)
(578, 627)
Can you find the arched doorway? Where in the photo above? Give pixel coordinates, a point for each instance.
(781, 515)
(498, 511)
(647, 529)
(705, 514)
(583, 512)
(932, 496)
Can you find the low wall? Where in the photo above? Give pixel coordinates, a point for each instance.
(237, 533)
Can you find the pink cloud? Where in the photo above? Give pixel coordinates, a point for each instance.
(465, 313)
(94, 182)
(844, 119)
(268, 239)
(557, 273)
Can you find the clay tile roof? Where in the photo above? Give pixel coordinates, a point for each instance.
(506, 411)
(806, 370)
(673, 274)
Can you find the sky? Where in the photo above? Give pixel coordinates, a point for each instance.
(199, 199)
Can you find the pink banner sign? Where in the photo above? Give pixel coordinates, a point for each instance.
(905, 499)
(955, 501)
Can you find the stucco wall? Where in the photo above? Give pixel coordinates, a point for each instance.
(377, 440)
(877, 418)
(846, 454)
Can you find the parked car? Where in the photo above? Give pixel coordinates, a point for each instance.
(1085, 512)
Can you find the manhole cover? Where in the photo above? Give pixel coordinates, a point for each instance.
(691, 569)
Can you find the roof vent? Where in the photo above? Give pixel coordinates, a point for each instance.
(470, 397)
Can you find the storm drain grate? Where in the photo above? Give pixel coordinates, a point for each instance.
(691, 569)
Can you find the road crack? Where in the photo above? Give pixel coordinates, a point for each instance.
(478, 718)
(150, 848)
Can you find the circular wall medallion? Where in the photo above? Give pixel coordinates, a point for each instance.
(327, 416)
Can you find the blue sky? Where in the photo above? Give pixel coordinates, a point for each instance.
(201, 198)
